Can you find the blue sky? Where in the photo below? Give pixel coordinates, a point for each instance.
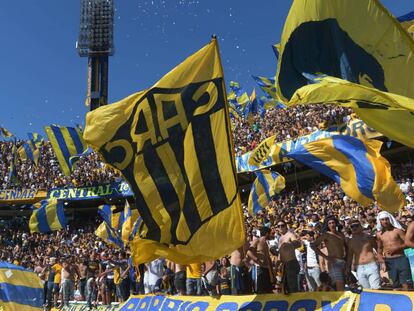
(43, 80)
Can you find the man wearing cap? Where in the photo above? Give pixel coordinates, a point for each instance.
(391, 245)
(361, 254)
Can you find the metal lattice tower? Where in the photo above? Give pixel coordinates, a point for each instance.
(96, 42)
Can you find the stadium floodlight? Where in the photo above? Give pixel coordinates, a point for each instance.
(96, 31)
(96, 36)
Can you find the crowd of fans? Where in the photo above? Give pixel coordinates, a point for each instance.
(48, 174)
(315, 239)
(303, 241)
(287, 123)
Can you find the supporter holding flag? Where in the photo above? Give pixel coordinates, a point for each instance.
(48, 216)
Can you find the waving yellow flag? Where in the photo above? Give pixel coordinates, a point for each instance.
(173, 145)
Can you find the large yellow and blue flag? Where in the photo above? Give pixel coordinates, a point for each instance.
(388, 113)
(327, 39)
(5, 133)
(29, 151)
(266, 185)
(173, 145)
(20, 289)
(66, 143)
(357, 166)
(48, 215)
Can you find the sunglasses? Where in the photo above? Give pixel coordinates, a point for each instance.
(354, 226)
(281, 226)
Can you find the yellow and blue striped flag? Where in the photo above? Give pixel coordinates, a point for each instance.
(238, 97)
(111, 228)
(355, 40)
(29, 151)
(66, 143)
(20, 289)
(173, 145)
(356, 165)
(13, 177)
(5, 133)
(48, 215)
(36, 138)
(266, 185)
(267, 85)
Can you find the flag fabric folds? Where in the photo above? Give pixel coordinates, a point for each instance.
(173, 145)
(266, 185)
(407, 22)
(276, 48)
(48, 215)
(5, 133)
(267, 85)
(20, 289)
(131, 225)
(66, 142)
(327, 39)
(390, 114)
(260, 153)
(111, 229)
(29, 151)
(357, 166)
(36, 138)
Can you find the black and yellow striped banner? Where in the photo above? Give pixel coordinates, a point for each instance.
(173, 145)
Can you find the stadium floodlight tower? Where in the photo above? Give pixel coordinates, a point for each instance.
(96, 42)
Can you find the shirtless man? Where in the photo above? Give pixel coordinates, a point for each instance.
(361, 252)
(259, 253)
(237, 263)
(67, 281)
(288, 242)
(391, 245)
(83, 278)
(336, 246)
(409, 235)
(179, 279)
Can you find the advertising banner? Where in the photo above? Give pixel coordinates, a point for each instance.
(118, 189)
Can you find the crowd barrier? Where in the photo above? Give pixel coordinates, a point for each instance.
(309, 301)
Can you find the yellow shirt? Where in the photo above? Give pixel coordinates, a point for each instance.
(58, 270)
(194, 271)
(117, 276)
